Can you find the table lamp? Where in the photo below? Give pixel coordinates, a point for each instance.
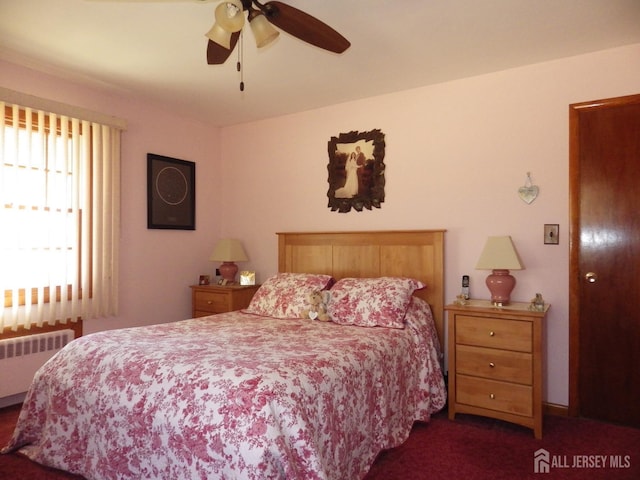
(227, 251)
(500, 256)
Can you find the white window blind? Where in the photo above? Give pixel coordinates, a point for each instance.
(59, 217)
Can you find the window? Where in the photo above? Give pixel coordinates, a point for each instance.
(59, 209)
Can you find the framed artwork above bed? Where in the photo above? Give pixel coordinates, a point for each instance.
(356, 171)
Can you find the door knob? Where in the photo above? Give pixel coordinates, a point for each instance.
(591, 277)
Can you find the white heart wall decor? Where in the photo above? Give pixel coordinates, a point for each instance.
(528, 192)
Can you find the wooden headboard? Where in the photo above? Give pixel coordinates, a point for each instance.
(417, 254)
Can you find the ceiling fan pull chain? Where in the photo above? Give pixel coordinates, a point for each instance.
(240, 61)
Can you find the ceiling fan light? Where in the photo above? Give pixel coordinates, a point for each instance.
(263, 31)
(229, 15)
(219, 35)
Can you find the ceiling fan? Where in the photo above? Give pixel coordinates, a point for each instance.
(229, 21)
(229, 16)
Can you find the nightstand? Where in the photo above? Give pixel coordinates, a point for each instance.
(495, 362)
(212, 299)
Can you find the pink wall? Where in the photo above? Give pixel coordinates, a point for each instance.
(456, 154)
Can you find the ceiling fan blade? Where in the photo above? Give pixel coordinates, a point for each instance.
(305, 27)
(217, 54)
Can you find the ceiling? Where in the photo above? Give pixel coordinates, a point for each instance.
(156, 49)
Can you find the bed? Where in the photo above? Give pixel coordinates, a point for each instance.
(258, 393)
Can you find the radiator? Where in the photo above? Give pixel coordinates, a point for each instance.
(21, 357)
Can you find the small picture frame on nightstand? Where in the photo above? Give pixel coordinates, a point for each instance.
(204, 280)
(247, 278)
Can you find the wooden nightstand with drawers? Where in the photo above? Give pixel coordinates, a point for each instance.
(212, 299)
(495, 362)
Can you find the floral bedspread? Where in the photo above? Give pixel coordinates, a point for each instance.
(232, 396)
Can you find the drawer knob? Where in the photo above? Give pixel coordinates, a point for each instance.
(492, 396)
(492, 334)
(209, 302)
(491, 364)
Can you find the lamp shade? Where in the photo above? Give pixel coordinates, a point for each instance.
(229, 19)
(219, 35)
(263, 31)
(229, 15)
(228, 251)
(499, 255)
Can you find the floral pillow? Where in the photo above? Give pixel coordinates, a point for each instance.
(285, 294)
(371, 302)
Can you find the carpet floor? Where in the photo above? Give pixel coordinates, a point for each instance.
(469, 448)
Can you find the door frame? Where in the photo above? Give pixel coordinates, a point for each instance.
(575, 278)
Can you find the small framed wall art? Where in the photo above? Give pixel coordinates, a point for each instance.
(171, 193)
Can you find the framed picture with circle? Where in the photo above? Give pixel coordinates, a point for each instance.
(171, 193)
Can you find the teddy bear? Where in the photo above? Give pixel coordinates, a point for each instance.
(317, 306)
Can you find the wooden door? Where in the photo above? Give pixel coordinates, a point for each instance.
(604, 306)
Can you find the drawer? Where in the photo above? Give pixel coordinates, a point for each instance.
(495, 364)
(494, 333)
(213, 302)
(495, 395)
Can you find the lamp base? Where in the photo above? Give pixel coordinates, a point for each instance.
(228, 271)
(500, 284)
